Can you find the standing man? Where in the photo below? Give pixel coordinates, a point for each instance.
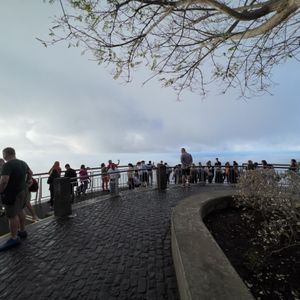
(186, 163)
(110, 164)
(71, 173)
(14, 191)
(150, 167)
(218, 169)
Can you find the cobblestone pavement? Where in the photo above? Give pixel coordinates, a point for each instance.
(114, 248)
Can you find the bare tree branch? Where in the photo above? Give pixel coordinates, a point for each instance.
(179, 41)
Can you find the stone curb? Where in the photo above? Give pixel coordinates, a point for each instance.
(202, 269)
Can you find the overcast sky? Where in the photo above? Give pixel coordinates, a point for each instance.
(59, 105)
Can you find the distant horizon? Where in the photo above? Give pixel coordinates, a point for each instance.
(40, 165)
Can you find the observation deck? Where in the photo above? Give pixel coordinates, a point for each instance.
(113, 248)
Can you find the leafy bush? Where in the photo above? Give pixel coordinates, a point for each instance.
(275, 199)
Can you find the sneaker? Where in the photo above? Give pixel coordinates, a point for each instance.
(22, 234)
(10, 244)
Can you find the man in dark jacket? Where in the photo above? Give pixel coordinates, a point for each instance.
(186, 163)
(71, 173)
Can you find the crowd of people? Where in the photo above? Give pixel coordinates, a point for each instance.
(141, 174)
(109, 177)
(16, 181)
(217, 172)
(207, 173)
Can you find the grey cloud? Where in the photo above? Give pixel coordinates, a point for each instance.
(56, 103)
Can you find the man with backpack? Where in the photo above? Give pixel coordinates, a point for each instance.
(13, 188)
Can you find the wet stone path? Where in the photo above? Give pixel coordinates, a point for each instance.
(114, 248)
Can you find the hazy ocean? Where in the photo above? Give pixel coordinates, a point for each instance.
(172, 158)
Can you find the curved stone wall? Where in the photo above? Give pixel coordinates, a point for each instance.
(202, 269)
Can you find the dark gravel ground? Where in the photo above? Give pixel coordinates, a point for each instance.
(268, 277)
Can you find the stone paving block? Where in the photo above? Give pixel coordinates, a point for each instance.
(80, 284)
(142, 285)
(151, 295)
(48, 291)
(104, 294)
(109, 279)
(92, 296)
(67, 292)
(172, 294)
(2, 287)
(160, 288)
(159, 275)
(169, 271)
(134, 281)
(79, 270)
(74, 294)
(151, 274)
(117, 280)
(125, 284)
(171, 283)
(4, 270)
(151, 283)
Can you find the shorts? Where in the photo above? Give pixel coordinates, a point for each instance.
(12, 210)
(186, 172)
(105, 179)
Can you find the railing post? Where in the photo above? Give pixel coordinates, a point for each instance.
(161, 174)
(40, 190)
(91, 181)
(62, 197)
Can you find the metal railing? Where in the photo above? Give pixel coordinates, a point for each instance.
(94, 182)
(174, 175)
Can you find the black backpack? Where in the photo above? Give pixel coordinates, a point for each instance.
(34, 186)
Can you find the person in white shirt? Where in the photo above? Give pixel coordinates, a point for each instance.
(114, 175)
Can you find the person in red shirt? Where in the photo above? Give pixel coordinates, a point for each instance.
(111, 164)
(84, 180)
